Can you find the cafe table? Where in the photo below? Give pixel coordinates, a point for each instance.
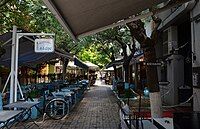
(25, 106)
(9, 117)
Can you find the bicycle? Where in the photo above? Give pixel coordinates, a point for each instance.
(55, 107)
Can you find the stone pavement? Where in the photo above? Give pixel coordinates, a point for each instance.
(98, 110)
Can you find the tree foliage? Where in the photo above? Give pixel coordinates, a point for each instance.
(92, 54)
(138, 32)
(33, 16)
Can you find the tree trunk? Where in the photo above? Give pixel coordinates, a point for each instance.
(114, 67)
(115, 72)
(136, 75)
(65, 63)
(126, 70)
(148, 46)
(130, 73)
(2, 51)
(152, 81)
(151, 71)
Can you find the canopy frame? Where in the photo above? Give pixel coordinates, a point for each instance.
(13, 76)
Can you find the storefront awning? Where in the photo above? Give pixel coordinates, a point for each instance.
(27, 56)
(91, 66)
(85, 17)
(119, 62)
(79, 63)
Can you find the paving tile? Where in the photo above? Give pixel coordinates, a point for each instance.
(97, 110)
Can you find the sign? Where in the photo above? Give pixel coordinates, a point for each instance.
(196, 79)
(154, 64)
(44, 45)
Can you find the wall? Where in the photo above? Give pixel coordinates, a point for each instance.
(195, 25)
(175, 65)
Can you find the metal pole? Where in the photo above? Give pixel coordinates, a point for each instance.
(4, 88)
(12, 63)
(16, 67)
(20, 90)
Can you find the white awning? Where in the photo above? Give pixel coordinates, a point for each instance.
(108, 69)
(86, 17)
(91, 66)
(83, 17)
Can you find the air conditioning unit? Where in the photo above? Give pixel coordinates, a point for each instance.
(170, 38)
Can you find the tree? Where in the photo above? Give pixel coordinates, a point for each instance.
(118, 37)
(147, 44)
(92, 54)
(32, 16)
(3, 2)
(2, 50)
(108, 46)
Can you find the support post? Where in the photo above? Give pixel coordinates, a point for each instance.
(16, 67)
(14, 84)
(14, 33)
(4, 88)
(20, 90)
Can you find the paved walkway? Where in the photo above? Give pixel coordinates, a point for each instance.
(98, 110)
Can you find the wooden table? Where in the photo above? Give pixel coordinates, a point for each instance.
(25, 106)
(63, 93)
(22, 105)
(7, 115)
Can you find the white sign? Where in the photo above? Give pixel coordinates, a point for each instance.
(153, 64)
(44, 45)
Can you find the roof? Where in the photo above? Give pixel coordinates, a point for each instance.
(27, 56)
(179, 15)
(71, 65)
(91, 66)
(137, 55)
(108, 69)
(79, 63)
(85, 17)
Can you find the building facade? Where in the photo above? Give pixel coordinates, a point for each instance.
(179, 49)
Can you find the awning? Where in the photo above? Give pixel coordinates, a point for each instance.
(80, 63)
(179, 15)
(84, 17)
(91, 66)
(137, 55)
(115, 63)
(108, 69)
(71, 65)
(27, 56)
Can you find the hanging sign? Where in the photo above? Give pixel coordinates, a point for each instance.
(44, 45)
(153, 63)
(196, 79)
